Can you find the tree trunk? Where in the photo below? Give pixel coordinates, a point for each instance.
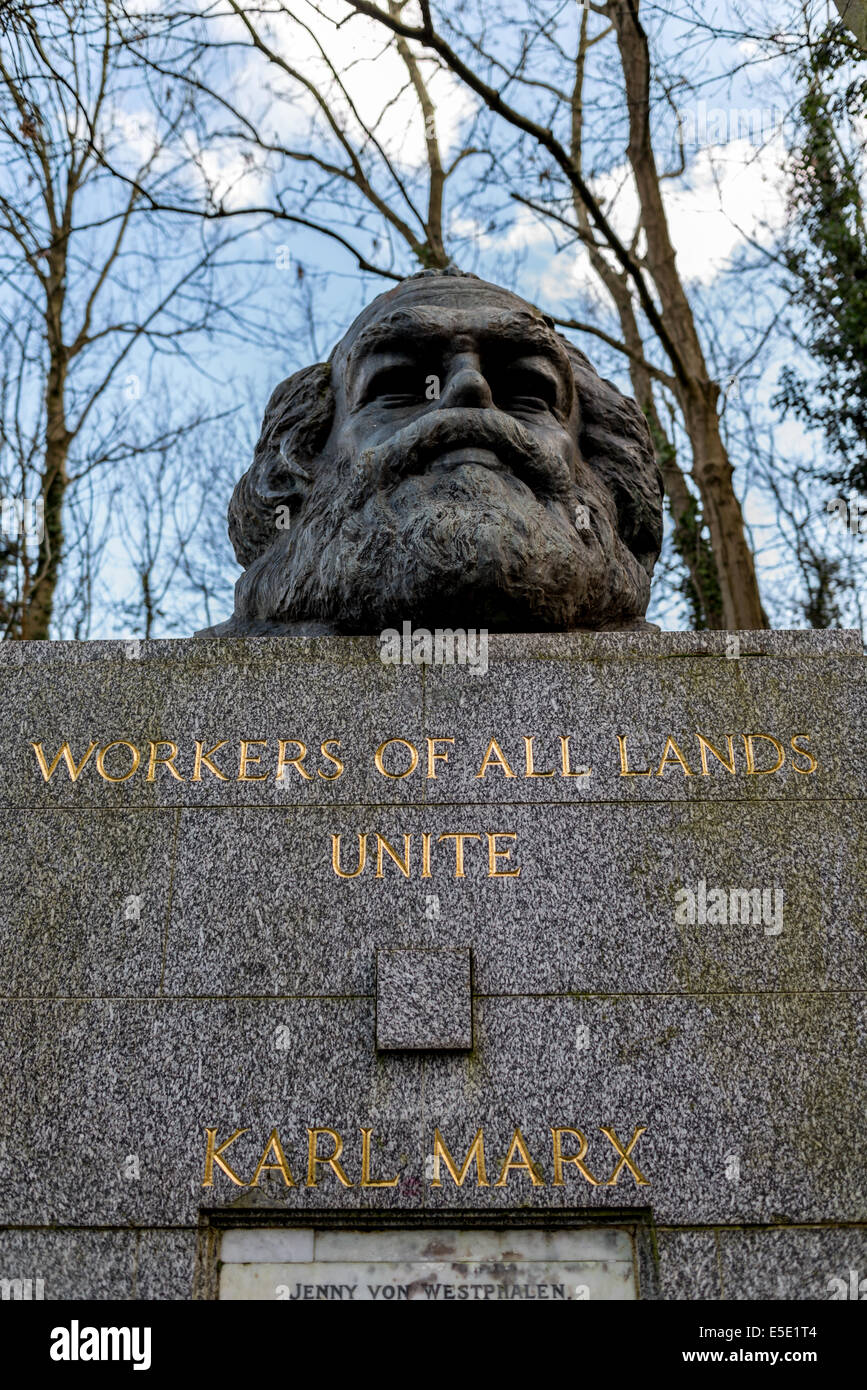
(704, 587)
(698, 394)
(38, 599)
(702, 582)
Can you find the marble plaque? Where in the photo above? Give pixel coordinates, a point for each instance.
(434, 1265)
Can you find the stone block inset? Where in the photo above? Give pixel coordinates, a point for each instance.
(424, 999)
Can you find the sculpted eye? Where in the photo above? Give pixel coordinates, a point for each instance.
(396, 386)
(528, 390)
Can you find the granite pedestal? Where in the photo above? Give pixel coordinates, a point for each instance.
(294, 941)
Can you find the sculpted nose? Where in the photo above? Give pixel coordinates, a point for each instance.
(466, 385)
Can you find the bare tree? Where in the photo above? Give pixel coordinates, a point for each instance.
(172, 527)
(703, 587)
(88, 280)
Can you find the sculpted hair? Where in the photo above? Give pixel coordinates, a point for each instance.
(296, 425)
(614, 441)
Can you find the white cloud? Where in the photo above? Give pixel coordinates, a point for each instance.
(730, 193)
(378, 93)
(735, 192)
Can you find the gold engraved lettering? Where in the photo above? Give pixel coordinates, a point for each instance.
(323, 748)
(578, 1159)
(249, 758)
(494, 757)
(425, 854)
(494, 854)
(459, 836)
(66, 754)
(706, 747)
(313, 1156)
(624, 761)
(566, 762)
(433, 756)
(525, 1163)
(749, 739)
(205, 758)
(100, 760)
(671, 754)
(402, 864)
(335, 856)
(624, 1161)
(476, 1155)
(213, 1154)
(380, 765)
(168, 762)
(814, 763)
(280, 1165)
(283, 762)
(366, 1179)
(528, 759)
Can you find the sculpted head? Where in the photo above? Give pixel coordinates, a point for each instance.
(455, 463)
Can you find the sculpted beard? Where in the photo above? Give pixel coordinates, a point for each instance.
(384, 536)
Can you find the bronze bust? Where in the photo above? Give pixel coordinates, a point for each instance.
(456, 463)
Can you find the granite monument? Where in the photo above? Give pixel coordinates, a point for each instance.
(339, 971)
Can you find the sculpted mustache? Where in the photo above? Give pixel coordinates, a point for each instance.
(420, 443)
